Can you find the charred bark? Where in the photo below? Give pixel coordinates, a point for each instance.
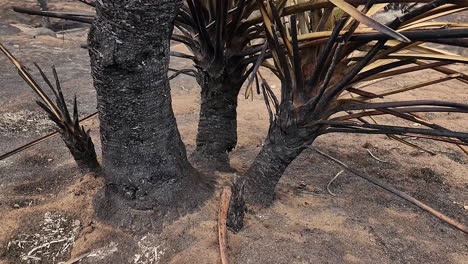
(279, 150)
(148, 177)
(217, 126)
(264, 174)
(257, 186)
(237, 208)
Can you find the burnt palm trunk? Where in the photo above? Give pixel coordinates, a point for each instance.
(279, 150)
(217, 126)
(257, 186)
(144, 159)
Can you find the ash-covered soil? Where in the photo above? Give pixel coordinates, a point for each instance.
(46, 212)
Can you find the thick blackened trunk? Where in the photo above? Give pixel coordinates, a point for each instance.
(217, 126)
(149, 178)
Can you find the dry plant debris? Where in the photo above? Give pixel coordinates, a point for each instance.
(17, 123)
(148, 252)
(104, 252)
(51, 243)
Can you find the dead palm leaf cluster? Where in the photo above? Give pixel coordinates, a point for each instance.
(75, 137)
(319, 70)
(216, 34)
(323, 55)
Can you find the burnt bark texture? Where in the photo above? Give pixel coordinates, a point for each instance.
(148, 177)
(237, 209)
(217, 126)
(280, 148)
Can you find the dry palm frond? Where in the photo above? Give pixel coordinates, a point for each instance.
(39, 140)
(323, 4)
(88, 2)
(317, 78)
(75, 136)
(312, 96)
(83, 18)
(216, 34)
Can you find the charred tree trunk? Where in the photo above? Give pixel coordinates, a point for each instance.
(257, 186)
(149, 178)
(279, 150)
(281, 147)
(264, 174)
(217, 126)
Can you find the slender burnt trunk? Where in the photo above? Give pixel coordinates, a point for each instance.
(217, 127)
(144, 159)
(280, 149)
(257, 186)
(265, 172)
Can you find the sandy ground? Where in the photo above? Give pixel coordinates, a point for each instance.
(46, 210)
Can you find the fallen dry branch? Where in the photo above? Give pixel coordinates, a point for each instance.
(30, 253)
(222, 228)
(77, 259)
(397, 192)
(83, 18)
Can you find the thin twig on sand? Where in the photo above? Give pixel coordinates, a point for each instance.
(397, 192)
(75, 260)
(43, 246)
(332, 180)
(222, 228)
(373, 156)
